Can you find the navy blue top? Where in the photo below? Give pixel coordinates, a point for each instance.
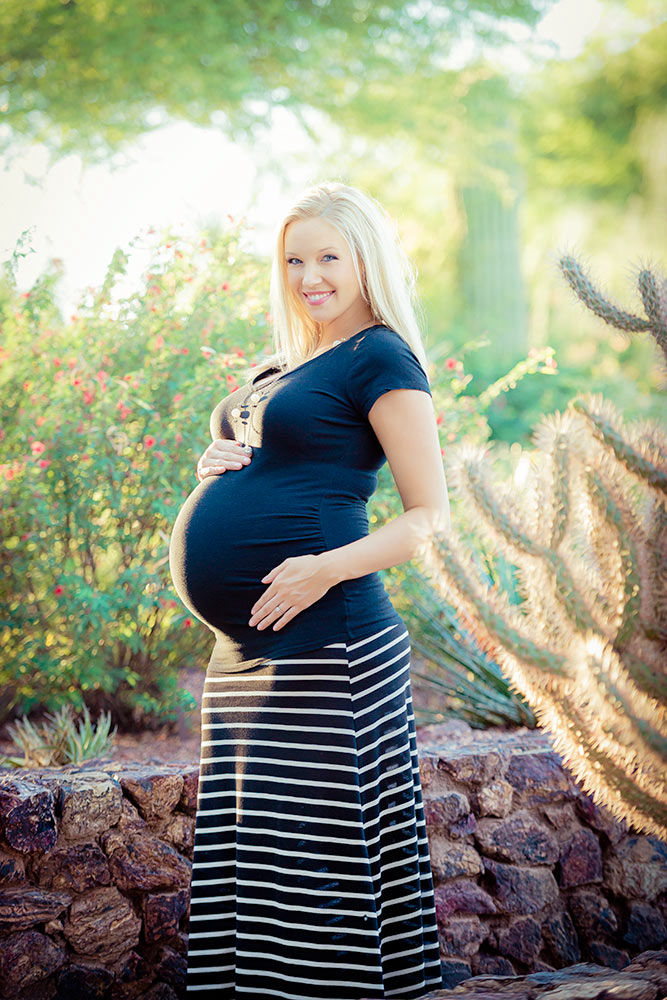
(314, 465)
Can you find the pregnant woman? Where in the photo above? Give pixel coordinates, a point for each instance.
(312, 875)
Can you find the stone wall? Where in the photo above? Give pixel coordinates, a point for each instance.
(530, 875)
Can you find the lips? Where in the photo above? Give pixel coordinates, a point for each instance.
(316, 298)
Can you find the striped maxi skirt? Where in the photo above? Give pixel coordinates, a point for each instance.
(312, 875)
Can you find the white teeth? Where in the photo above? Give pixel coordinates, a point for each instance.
(318, 298)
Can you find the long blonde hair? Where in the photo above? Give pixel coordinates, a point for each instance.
(386, 276)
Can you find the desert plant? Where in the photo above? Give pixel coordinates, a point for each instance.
(652, 289)
(59, 739)
(586, 647)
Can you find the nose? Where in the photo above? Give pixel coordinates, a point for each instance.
(311, 274)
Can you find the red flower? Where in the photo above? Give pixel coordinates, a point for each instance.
(451, 363)
(225, 286)
(439, 419)
(58, 590)
(208, 352)
(37, 447)
(185, 350)
(148, 441)
(57, 362)
(159, 341)
(44, 463)
(71, 362)
(178, 397)
(179, 437)
(27, 386)
(76, 381)
(88, 397)
(188, 622)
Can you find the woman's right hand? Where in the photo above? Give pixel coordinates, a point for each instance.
(221, 455)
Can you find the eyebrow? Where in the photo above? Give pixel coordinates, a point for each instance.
(289, 254)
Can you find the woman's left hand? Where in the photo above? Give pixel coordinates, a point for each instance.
(295, 584)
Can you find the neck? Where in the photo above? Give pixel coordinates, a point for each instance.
(345, 326)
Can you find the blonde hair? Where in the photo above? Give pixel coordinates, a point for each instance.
(386, 276)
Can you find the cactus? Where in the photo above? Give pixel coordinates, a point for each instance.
(653, 292)
(587, 646)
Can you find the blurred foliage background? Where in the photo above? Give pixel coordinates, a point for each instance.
(491, 149)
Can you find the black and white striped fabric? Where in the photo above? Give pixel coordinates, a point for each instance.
(312, 876)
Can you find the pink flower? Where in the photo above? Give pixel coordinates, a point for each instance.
(179, 437)
(57, 362)
(159, 341)
(44, 463)
(450, 363)
(185, 350)
(225, 286)
(149, 441)
(178, 397)
(58, 590)
(88, 397)
(208, 352)
(76, 381)
(439, 419)
(25, 536)
(37, 447)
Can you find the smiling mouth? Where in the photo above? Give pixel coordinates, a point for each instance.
(314, 298)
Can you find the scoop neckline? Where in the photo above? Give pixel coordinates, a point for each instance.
(289, 371)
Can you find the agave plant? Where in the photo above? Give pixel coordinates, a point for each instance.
(59, 739)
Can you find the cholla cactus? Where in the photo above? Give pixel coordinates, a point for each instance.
(653, 292)
(588, 645)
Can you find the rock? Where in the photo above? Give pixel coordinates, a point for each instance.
(179, 830)
(27, 958)
(521, 940)
(461, 897)
(142, 861)
(593, 916)
(452, 860)
(442, 810)
(188, 799)
(77, 868)
(645, 928)
(23, 908)
(467, 765)
(171, 968)
(605, 954)
(155, 791)
(561, 937)
(12, 868)
(491, 965)
(561, 816)
(519, 838)
(539, 777)
(444, 734)
(27, 815)
(133, 975)
(521, 890)
(160, 992)
(83, 982)
(463, 827)
(162, 914)
(454, 971)
(102, 924)
(580, 860)
(461, 936)
(637, 868)
(90, 802)
(495, 799)
(130, 818)
(601, 819)
(428, 768)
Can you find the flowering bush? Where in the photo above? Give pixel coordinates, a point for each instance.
(105, 414)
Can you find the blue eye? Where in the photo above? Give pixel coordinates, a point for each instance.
(331, 255)
(291, 259)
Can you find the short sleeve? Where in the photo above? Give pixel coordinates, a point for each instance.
(382, 361)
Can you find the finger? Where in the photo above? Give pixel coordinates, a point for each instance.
(266, 607)
(272, 574)
(272, 616)
(285, 618)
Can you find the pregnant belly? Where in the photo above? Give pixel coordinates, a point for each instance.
(231, 530)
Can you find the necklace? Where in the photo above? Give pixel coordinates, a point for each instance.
(244, 414)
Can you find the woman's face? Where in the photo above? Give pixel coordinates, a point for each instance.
(321, 273)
